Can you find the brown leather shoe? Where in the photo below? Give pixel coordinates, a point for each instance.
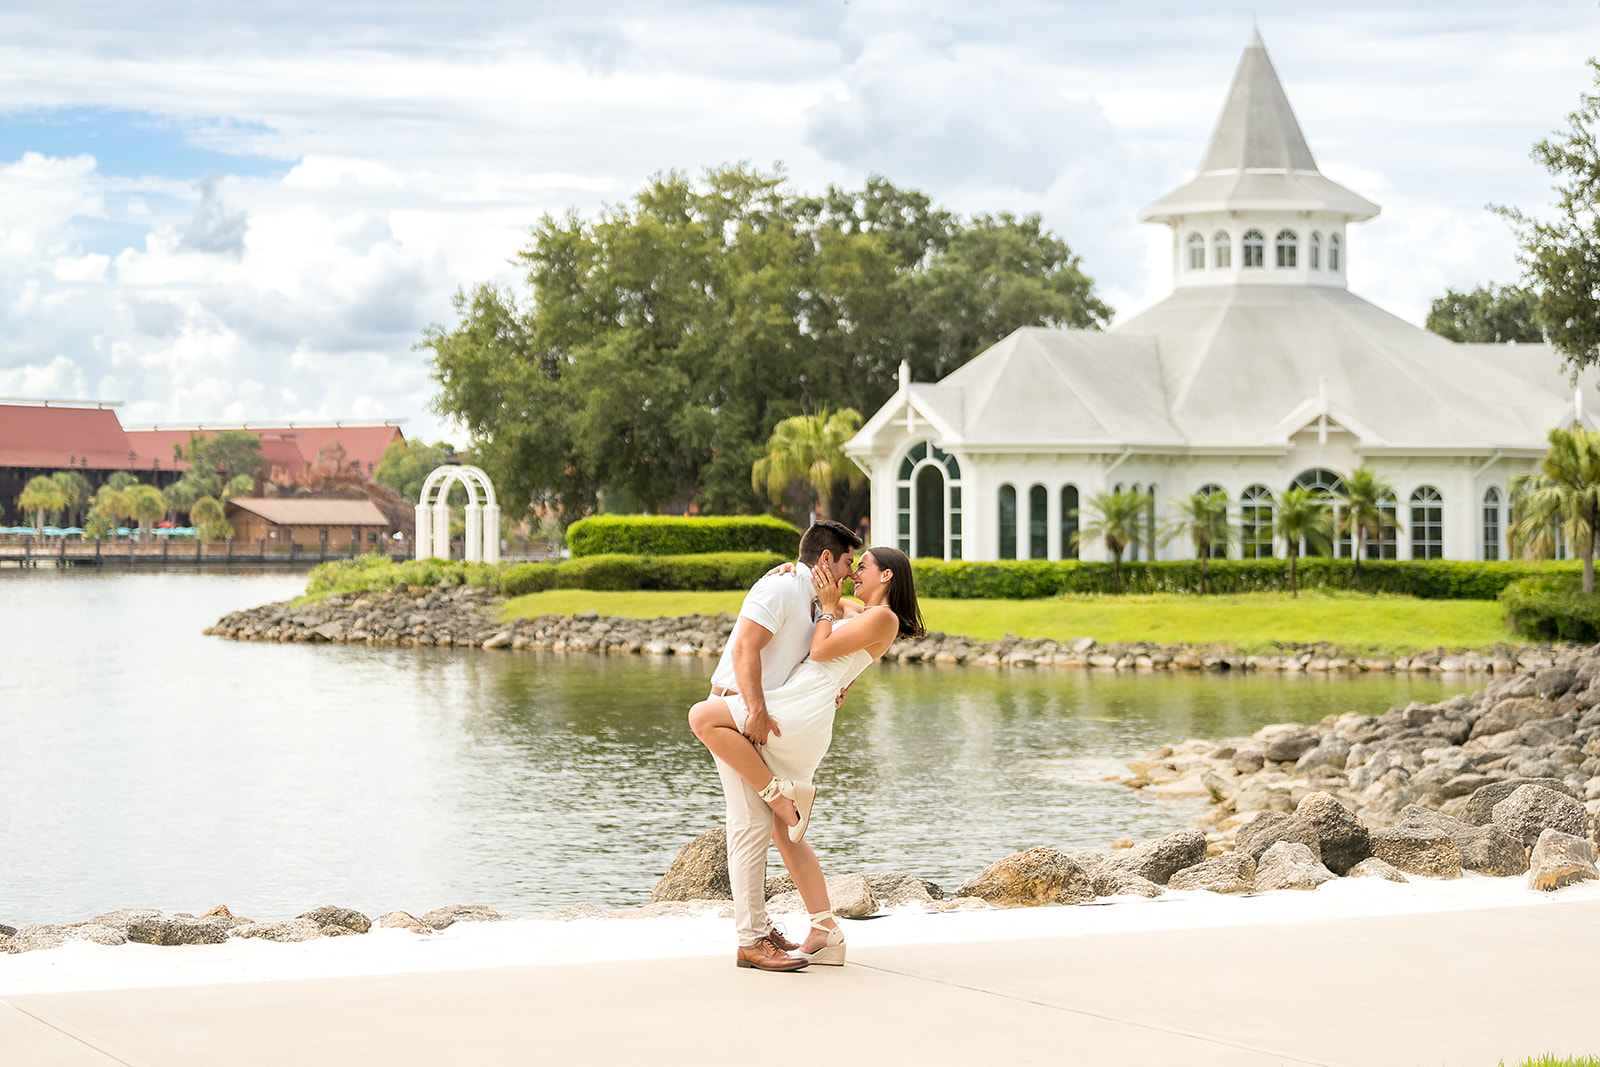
(765, 955)
(775, 935)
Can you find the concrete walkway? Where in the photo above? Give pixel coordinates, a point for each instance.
(1453, 988)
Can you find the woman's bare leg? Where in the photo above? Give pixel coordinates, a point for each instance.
(713, 724)
(803, 867)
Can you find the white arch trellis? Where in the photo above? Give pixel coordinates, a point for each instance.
(482, 540)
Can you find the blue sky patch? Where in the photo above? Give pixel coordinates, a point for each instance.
(135, 144)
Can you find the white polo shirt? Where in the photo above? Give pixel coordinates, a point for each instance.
(782, 604)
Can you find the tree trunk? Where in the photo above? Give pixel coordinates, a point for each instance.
(1116, 568)
(1294, 556)
(1588, 557)
(38, 521)
(1205, 562)
(1361, 550)
(824, 508)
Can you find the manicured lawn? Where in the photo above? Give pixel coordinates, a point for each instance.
(1247, 621)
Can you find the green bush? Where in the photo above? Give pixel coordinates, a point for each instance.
(698, 572)
(681, 535)
(1552, 608)
(1434, 579)
(364, 573)
(526, 578)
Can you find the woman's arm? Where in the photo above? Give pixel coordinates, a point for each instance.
(874, 630)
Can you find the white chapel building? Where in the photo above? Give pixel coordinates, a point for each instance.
(1260, 371)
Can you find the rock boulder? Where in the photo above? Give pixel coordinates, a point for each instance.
(1270, 827)
(173, 930)
(1160, 859)
(1373, 867)
(328, 916)
(1532, 809)
(1231, 872)
(1037, 876)
(1480, 806)
(1560, 860)
(1290, 865)
(1116, 882)
(698, 872)
(1342, 840)
(440, 918)
(1412, 850)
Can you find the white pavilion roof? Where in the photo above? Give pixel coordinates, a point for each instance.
(1238, 369)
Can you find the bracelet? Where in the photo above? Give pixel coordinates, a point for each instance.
(825, 615)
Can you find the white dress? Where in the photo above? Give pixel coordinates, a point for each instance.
(803, 709)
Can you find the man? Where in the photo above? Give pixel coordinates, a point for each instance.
(771, 638)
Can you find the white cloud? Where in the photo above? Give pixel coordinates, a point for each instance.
(415, 145)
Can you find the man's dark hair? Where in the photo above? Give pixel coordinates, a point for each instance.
(827, 536)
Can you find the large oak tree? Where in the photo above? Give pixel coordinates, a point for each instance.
(659, 343)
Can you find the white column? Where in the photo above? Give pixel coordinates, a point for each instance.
(472, 538)
(491, 533)
(441, 525)
(422, 542)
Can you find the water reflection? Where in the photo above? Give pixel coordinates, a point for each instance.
(150, 765)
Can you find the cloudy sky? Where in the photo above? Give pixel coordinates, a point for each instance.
(227, 216)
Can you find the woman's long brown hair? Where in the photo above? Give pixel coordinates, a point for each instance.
(902, 589)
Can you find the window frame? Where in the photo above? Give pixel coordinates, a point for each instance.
(1314, 251)
(1425, 499)
(1253, 502)
(1287, 246)
(1222, 250)
(1253, 246)
(1196, 246)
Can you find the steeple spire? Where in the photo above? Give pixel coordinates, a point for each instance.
(1257, 129)
(1257, 158)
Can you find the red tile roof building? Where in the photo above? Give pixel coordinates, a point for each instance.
(42, 437)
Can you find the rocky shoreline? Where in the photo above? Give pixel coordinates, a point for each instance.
(468, 617)
(1504, 782)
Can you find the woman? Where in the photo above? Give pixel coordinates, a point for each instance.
(845, 640)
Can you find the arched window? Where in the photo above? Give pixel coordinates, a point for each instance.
(1387, 546)
(1219, 549)
(1255, 523)
(1315, 251)
(1197, 252)
(1333, 252)
(1069, 522)
(1038, 523)
(1288, 248)
(1221, 249)
(1327, 485)
(1491, 523)
(1255, 249)
(928, 503)
(1427, 524)
(1008, 522)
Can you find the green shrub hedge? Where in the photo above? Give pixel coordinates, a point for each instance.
(1552, 608)
(681, 535)
(701, 571)
(380, 572)
(1434, 579)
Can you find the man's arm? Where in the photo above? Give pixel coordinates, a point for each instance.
(751, 637)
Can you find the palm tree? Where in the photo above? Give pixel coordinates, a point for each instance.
(208, 517)
(1305, 515)
(1203, 519)
(809, 448)
(1562, 496)
(145, 503)
(1366, 494)
(75, 488)
(42, 495)
(1115, 518)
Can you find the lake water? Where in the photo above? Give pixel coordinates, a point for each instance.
(147, 765)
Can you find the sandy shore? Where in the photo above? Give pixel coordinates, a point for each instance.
(83, 966)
